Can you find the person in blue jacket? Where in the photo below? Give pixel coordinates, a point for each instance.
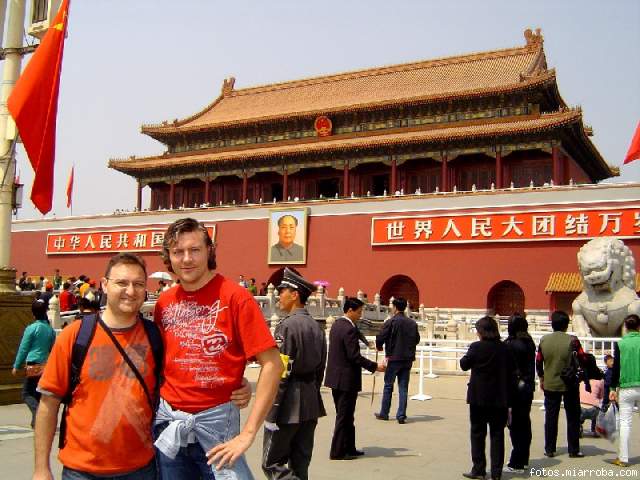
(36, 343)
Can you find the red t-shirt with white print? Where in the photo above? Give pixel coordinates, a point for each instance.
(209, 335)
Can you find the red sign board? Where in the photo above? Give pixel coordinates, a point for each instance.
(507, 226)
(323, 126)
(108, 241)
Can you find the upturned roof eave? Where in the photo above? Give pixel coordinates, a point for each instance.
(164, 132)
(143, 164)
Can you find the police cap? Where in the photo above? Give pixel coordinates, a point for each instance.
(295, 282)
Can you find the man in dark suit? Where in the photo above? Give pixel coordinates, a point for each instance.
(344, 377)
(399, 336)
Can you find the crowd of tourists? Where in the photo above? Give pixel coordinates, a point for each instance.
(170, 389)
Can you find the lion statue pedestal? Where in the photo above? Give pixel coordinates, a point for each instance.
(608, 276)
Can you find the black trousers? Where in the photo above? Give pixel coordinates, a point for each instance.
(496, 418)
(520, 432)
(31, 397)
(552, 402)
(286, 453)
(344, 432)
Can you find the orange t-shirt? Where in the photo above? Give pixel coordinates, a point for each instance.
(109, 418)
(208, 335)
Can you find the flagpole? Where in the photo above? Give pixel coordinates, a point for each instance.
(13, 52)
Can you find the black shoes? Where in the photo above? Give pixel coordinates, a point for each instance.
(474, 475)
(402, 421)
(550, 454)
(356, 453)
(380, 417)
(345, 457)
(576, 455)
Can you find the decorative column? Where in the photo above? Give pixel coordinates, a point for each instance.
(172, 194)
(556, 165)
(285, 185)
(207, 193)
(394, 177)
(499, 180)
(444, 180)
(244, 186)
(345, 180)
(139, 197)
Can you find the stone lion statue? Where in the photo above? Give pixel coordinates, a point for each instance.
(608, 275)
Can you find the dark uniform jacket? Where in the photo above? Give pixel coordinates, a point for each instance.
(400, 336)
(345, 364)
(301, 338)
(492, 382)
(523, 353)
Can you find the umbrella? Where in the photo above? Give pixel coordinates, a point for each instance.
(161, 276)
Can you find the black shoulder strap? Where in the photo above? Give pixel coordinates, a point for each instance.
(157, 348)
(78, 355)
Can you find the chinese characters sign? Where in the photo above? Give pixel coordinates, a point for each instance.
(506, 227)
(112, 241)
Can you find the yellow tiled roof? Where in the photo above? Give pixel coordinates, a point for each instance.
(571, 282)
(351, 142)
(460, 76)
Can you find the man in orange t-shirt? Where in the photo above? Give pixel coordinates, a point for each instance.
(109, 416)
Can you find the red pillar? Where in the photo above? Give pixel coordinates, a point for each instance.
(394, 177)
(172, 194)
(206, 190)
(139, 197)
(345, 180)
(285, 185)
(444, 181)
(499, 181)
(244, 186)
(557, 165)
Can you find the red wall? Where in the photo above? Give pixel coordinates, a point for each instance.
(340, 251)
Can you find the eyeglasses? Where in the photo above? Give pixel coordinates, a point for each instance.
(124, 284)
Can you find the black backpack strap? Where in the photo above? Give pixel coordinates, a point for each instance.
(78, 355)
(157, 348)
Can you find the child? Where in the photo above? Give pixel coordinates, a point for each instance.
(608, 373)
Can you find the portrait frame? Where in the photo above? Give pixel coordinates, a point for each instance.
(278, 250)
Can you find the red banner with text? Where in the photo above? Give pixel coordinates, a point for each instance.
(507, 226)
(109, 241)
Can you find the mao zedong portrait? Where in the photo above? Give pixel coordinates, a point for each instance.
(286, 250)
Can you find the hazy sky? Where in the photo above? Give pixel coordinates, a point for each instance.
(132, 62)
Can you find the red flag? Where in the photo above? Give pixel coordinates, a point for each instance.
(70, 188)
(634, 148)
(33, 104)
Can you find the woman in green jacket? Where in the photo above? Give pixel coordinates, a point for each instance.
(36, 343)
(626, 377)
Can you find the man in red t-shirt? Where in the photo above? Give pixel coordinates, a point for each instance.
(211, 327)
(66, 298)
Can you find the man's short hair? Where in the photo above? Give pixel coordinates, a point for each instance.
(66, 285)
(186, 225)
(559, 321)
(632, 322)
(487, 328)
(285, 216)
(352, 303)
(125, 258)
(400, 304)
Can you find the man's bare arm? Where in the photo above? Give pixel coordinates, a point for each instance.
(227, 453)
(46, 421)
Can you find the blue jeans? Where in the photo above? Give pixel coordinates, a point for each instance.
(145, 473)
(402, 370)
(191, 463)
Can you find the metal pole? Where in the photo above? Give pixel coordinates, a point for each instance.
(10, 73)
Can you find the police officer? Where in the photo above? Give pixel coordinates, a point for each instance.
(291, 424)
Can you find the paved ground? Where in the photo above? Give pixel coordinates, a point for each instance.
(433, 444)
